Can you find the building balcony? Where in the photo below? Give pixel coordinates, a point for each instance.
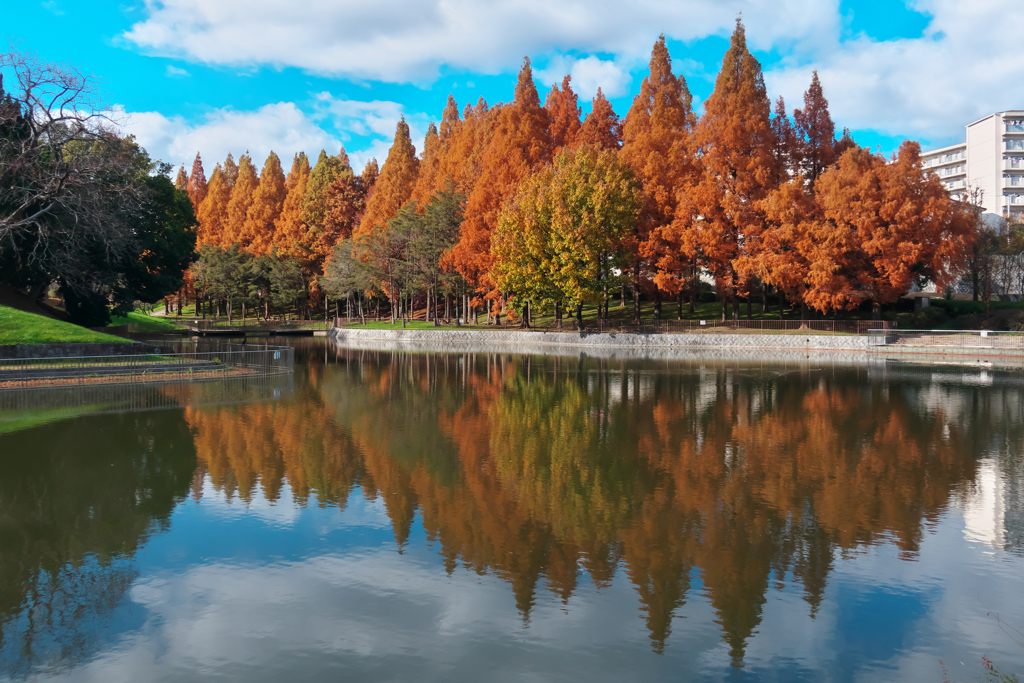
(1013, 181)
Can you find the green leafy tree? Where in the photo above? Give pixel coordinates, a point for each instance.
(561, 238)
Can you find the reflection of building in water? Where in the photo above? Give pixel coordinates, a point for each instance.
(984, 507)
(994, 508)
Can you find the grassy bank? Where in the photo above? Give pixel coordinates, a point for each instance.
(141, 322)
(19, 327)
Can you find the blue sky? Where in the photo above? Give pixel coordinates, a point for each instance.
(236, 75)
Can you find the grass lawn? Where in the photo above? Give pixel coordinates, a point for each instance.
(19, 327)
(145, 323)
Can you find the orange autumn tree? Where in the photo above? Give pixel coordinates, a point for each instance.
(564, 108)
(720, 222)
(318, 240)
(601, 128)
(428, 165)
(267, 203)
(395, 184)
(656, 146)
(815, 143)
(369, 176)
(181, 181)
(197, 186)
(519, 144)
(212, 212)
(238, 207)
(462, 145)
(290, 229)
(878, 226)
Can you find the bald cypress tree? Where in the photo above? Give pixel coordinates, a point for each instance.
(564, 108)
(197, 185)
(601, 128)
(242, 195)
(395, 184)
(656, 145)
(290, 230)
(722, 220)
(212, 212)
(520, 142)
(816, 133)
(426, 181)
(267, 204)
(181, 182)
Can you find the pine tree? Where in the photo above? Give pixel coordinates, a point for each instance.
(429, 162)
(519, 144)
(601, 128)
(267, 204)
(290, 229)
(395, 184)
(722, 222)
(242, 194)
(656, 145)
(197, 186)
(564, 109)
(181, 182)
(816, 134)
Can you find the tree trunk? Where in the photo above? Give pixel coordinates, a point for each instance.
(750, 308)
(725, 307)
(579, 317)
(558, 314)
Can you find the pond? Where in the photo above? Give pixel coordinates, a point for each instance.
(395, 515)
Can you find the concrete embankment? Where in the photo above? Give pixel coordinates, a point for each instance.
(847, 348)
(71, 350)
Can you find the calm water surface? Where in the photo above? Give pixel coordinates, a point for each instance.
(456, 517)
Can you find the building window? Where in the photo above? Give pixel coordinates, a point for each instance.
(1015, 126)
(1015, 144)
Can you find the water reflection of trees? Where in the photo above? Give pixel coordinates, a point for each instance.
(534, 468)
(76, 501)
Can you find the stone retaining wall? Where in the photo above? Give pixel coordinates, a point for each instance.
(705, 342)
(75, 350)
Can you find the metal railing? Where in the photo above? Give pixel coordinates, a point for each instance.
(233, 360)
(653, 326)
(981, 340)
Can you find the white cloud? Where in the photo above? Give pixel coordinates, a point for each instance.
(588, 74)
(376, 118)
(964, 67)
(281, 127)
(174, 71)
(408, 40)
(366, 129)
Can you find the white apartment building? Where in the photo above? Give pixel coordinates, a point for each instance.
(991, 160)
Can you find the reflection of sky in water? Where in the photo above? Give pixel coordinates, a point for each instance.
(232, 593)
(250, 580)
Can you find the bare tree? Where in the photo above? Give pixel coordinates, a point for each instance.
(66, 178)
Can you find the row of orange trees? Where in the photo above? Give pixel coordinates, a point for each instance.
(556, 210)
